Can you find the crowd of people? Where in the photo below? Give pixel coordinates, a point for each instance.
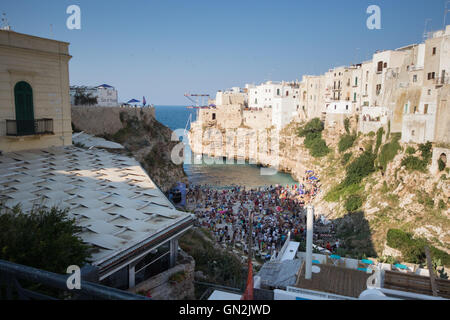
(276, 212)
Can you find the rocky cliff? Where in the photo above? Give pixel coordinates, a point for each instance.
(393, 194)
(143, 137)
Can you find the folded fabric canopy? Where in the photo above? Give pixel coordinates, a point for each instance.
(133, 101)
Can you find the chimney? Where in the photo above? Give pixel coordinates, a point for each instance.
(309, 240)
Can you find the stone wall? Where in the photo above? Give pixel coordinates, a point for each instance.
(43, 64)
(160, 287)
(105, 120)
(258, 119)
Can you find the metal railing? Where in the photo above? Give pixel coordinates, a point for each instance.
(442, 80)
(11, 289)
(29, 127)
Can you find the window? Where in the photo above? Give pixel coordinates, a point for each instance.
(354, 97)
(356, 81)
(429, 92)
(415, 78)
(406, 108)
(346, 107)
(23, 96)
(214, 116)
(431, 75)
(380, 66)
(385, 65)
(434, 51)
(412, 133)
(425, 109)
(378, 89)
(415, 109)
(287, 93)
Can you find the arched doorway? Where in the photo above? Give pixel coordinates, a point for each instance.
(442, 162)
(23, 96)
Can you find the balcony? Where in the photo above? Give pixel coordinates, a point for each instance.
(440, 81)
(19, 128)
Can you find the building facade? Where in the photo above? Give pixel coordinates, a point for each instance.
(34, 86)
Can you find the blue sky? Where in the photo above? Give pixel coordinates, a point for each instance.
(163, 49)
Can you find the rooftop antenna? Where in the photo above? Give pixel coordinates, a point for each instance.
(446, 10)
(425, 32)
(5, 24)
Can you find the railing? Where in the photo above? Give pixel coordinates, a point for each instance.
(29, 127)
(11, 289)
(442, 80)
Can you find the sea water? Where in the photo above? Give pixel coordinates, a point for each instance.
(216, 174)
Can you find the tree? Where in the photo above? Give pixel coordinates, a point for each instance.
(43, 239)
(84, 98)
(360, 168)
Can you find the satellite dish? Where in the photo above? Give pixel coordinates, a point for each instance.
(315, 269)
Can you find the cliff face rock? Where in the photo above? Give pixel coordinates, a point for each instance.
(143, 137)
(414, 201)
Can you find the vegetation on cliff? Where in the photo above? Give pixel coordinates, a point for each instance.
(413, 248)
(150, 143)
(44, 239)
(218, 265)
(312, 132)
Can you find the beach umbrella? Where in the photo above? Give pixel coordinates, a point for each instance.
(309, 171)
(133, 101)
(313, 178)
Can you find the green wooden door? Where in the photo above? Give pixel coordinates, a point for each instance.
(24, 108)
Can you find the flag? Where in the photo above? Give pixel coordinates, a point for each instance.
(143, 101)
(248, 294)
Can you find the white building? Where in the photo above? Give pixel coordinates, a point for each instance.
(339, 107)
(282, 97)
(106, 95)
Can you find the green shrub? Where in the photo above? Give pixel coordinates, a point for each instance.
(319, 148)
(346, 142)
(315, 125)
(442, 204)
(380, 133)
(371, 134)
(44, 238)
(413, 163)
(360, 168)
(353, 203)
(413, 250)
(441, 164)
(312, 132)
(341, 191)
(345, 158)
(389, 130)
(347, 125)
(410, 150)
(388, 153)
(425, 149)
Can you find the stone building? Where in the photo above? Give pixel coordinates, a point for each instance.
(123, 216)
(34, 86)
